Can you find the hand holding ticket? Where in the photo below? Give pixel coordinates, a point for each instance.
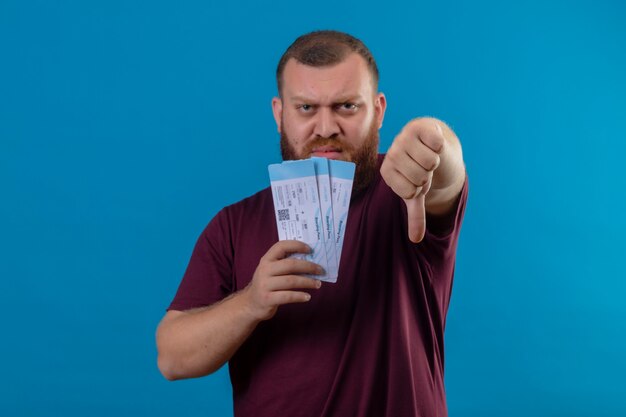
(311, 202)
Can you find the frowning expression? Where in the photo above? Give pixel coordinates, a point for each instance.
(328, 111)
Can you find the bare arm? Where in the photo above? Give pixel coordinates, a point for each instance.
(198, 342)
(424, 166)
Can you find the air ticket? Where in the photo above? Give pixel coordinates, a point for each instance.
(297, 209)
(341, 179)
(311, 202)
(322, 174)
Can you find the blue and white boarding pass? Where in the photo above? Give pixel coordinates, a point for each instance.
(341, 179)
(297, 209)
(322, 173)
(311, 203)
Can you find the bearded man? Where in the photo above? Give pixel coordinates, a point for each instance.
(372, 343)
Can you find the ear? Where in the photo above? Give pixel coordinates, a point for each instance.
(277, 109)
(380, 105)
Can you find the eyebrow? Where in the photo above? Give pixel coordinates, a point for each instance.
(341, 99)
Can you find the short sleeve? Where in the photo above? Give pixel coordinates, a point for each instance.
(443, 226)
(438, 249)
(208, 277)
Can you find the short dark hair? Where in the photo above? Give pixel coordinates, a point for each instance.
(325, 48)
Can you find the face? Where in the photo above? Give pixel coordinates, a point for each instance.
(332, 112)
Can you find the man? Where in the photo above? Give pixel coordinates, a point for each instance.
(371, 344)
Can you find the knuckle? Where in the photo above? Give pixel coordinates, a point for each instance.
(438, 143)
(437, 162)
(290, 281)
(415, 122)
(433, 162)
(289, 243)
(296, 264)
(304, 282)
(262, 269)
(405, 193)
(265, 299)
(313, 268)
(391, 154)
(288, 263)
(418, 124)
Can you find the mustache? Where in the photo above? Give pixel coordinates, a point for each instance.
(335, 142)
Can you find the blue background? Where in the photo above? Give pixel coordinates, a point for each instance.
(125, 126)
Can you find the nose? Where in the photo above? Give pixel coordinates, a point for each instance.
(326, 125)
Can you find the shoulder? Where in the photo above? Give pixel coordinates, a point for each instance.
(250, 206)
(245, 218)
(232, 214)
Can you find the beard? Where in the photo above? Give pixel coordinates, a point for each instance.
(365, 157)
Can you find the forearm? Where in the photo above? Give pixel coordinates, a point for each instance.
(198, 342)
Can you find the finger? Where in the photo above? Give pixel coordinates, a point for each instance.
(288, 297)
(429, 133)
(425, 157)
(290, 282)
(408, 149)
(409, 162)
(416, 213)
(284, 248)
(415, 174)
(294, 266)
(400, 185)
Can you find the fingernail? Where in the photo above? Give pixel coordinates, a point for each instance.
(318, 284)
(320, 270)
(308, 297)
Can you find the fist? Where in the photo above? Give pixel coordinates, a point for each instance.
(408, 168)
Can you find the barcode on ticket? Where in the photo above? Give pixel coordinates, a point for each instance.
(283, 214)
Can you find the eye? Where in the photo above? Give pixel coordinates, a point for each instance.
(305, 108)
(348, 107)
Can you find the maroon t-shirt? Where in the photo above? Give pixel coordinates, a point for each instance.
(369, 345)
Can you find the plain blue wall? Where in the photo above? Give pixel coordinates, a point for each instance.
(125, 126)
